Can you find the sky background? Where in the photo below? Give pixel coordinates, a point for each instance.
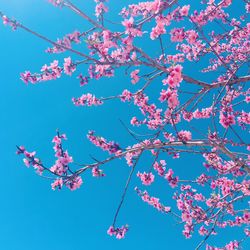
(32, 216)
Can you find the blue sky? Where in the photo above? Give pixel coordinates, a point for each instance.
(32, 216)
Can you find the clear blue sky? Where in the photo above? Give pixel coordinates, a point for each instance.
(32, 216)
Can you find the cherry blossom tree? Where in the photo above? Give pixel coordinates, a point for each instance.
(215, 42)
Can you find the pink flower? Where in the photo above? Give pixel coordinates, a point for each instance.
(160, 167)
(111, 231)
(146, 178)
(247, 7)
(177, 34)
(134, 76)
(100, 9)
(171, 96)
(74, 183)
(191, 36)
(126, 95)
(58, 183)
(5, 20)
(68, 66)
(26, 162)
(175, 77)
(173, 181)
(184, 10)
(8, 21)
(159, 29)
(134, 121)
(87, 100)
(119, 233)
(226, 120)
(173, 101)
(244, 118)
(153, 201)
(96, 172)
(128, 23)
(184, 135)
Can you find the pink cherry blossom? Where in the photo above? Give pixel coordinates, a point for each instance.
(134, 76)
(146, 178)
(68, 66)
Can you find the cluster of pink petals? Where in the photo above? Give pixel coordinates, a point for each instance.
(175, 77)
(159, 29)
(131, 29)
(134, 121)
(184, 10)
(102, 143)
(184, 135)
(66, 41)
(63, 158)
(190, 211)
(130, 156)
(248, 7)
(59, 169)
(100, 8)
(177, 34)
(160, 167)
(11, 23)
(227, 120)
(170, 96)
(191, 36)
(202, 179)
(83, 80)
(51, 72)
(118, 232)
(142, 8)
(204, 113)
(87, 100)
(74, 182)
(173, 181)
(98, 71)
(27, 77)
(58, 183)
(68, 66)
(203, 231)
(244, 118)
(96, 172)
(146, 178)
(134, 76)
(61, 166)
(152, 201)
(162, 21)
(126, 95)
(31, 160)
(232, 245)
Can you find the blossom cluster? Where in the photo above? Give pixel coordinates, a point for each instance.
(31, 160)
(66, 41)
(146, 178)
(153, 201)
(51, 72)
(7, 21)
(102, 143)
(87, 100)
(60, 169)
(100, 8)
(118, 232)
